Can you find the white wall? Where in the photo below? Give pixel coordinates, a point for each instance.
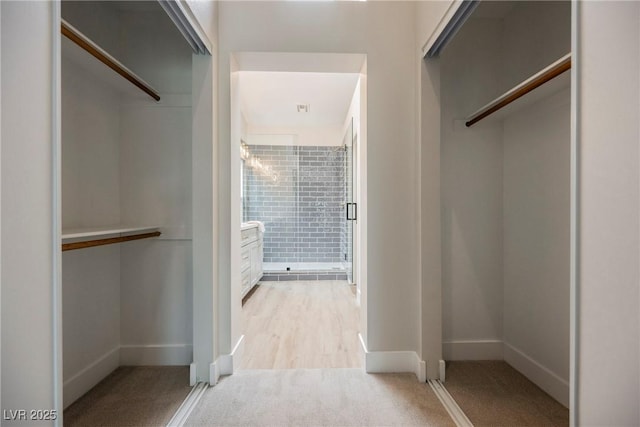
(608, 241)
(471, 174)
(429, 113)
(536, 202)
(205, 183)
(536, 242)
(27, 227)
(127, 162)
(90, 197)
(384, 31)
(505, 199)
(155, 180)
(261, 135)
(90, 150)
(535, 35)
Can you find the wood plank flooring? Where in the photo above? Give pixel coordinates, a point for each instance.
(301, 324)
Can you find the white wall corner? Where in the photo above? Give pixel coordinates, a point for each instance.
(193, 374)
(473, 350)
(543, 377)
(214, 373)
(442, 369)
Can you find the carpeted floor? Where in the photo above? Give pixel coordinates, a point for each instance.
(319, 397)
(492, 393)
(132, 396)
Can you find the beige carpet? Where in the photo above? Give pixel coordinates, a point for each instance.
(319, 397)
(492, 393)
(132, 396)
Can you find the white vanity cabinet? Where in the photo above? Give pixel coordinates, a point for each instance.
(251, 257)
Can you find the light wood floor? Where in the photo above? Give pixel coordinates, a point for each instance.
(301, 324)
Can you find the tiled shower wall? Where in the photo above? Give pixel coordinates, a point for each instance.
(300, 202)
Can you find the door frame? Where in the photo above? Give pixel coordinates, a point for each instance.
(231, 332)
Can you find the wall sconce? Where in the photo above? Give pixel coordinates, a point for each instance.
(244, 151)
(254, 162)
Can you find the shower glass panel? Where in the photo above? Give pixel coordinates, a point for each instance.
(350, 208)
(298, 192)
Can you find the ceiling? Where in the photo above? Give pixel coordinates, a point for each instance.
(270, 99)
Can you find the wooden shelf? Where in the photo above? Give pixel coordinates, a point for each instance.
(81, 50)
(544, 83)
(89, 237)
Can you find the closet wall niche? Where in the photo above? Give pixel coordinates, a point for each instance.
(506, 191)
(126, 170)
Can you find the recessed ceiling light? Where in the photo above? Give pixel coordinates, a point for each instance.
(303, 108)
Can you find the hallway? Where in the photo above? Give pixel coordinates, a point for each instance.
(328, 397)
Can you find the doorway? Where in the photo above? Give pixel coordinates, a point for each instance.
(297, 135)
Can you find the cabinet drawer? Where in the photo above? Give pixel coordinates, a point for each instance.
(245, 259)
(246, 279)
(249, 235)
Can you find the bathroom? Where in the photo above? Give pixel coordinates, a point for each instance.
(299, 210)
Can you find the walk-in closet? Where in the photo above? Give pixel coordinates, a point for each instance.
(126, 210)
(505, 194)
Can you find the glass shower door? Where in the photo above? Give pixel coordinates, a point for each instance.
(351, 207)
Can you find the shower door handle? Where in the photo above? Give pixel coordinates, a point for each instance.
(354, 211)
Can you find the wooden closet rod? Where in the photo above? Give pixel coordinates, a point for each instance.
(550, 73)
(81, 40)
(108, 241)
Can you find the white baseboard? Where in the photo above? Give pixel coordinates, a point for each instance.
(193, 376)
(214, 374)
(91, 375)
(473, 350)
(394, 362)
(160, 354)
(225, 362)
(544, 378)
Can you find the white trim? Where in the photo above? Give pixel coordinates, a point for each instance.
(89, 376)
(473, 350)
(195, 25)
(455, 412)
(225, 361)
(214, 374)
(574, 219)
(543, 377)
(362, 344)
(156, 354)
(190, 402)
(56, 209)
(451, 11)
(193, 374)
(442, 370)
(420, 368)
(376, 362)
